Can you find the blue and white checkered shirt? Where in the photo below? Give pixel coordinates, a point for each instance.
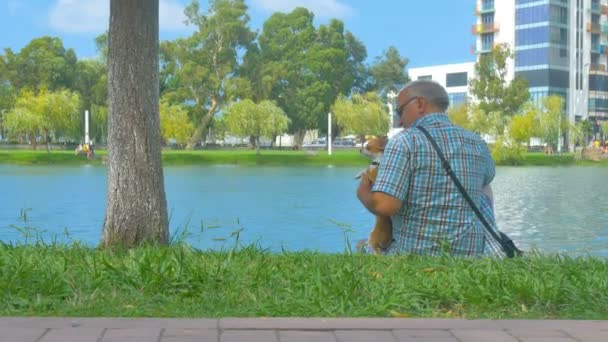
(434, 217)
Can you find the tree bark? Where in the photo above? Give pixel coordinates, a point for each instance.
(203, 127)
(136, 209)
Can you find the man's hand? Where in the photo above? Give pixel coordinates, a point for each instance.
(377, 203)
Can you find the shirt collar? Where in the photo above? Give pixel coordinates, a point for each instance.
(431, 118)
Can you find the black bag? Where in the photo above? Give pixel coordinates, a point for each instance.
(508, 246)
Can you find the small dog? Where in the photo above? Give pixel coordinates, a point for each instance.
(382, 234)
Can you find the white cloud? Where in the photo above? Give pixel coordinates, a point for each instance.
(86, 16)
(321, 8)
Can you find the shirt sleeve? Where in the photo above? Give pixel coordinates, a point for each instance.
(394, 169)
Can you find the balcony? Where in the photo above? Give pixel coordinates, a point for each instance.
(485, 28)
(595, 48)
(605, 28)
(597, 67)
(593, 28)
(604, 48)
(604, 9)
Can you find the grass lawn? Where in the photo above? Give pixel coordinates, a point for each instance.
(340, 157)
(178, 281)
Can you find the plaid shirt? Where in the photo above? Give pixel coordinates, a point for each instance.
(434, 217)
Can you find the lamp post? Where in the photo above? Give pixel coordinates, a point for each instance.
(329, 133)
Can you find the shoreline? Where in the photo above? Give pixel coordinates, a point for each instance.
(340, 157)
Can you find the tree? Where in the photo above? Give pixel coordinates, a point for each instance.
(552, 123)
(363, 114)
(198, 69)
(304, 69)
(604, 128)
(43, 63)
(490, 87)
(459, 115)
(248, 119)
(136, 209)
(523, 127)
(388, 72)
(47, 114)
(174, 123)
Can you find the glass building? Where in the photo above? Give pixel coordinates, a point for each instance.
(560, 47)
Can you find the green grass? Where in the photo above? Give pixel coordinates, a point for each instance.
(202, 157)
(348, 157)
(179, 281)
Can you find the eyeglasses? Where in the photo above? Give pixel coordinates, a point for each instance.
(402, 107)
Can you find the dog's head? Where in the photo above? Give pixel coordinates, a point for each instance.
(375, 147)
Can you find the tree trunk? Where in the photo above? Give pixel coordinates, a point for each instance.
(203, 126)
(136, 209)
(298, 138)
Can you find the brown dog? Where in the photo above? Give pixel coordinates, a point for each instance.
(382, 234)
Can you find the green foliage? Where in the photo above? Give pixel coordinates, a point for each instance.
(248, 119)
(197, 69)
(604, 128)
(523, 127)
(98, 123)
(490, 87)
(505, 151)
(362, 114)
(304, 69)
(47, 114)
(388, 71)
(552, 120)
(459, 115)
(174, 123)
(43, 63)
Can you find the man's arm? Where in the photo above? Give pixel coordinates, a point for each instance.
(378, 203)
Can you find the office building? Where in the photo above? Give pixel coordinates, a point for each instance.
(560, 47)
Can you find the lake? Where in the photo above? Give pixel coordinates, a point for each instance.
(296, 208)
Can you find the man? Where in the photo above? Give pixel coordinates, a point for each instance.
(429, 215)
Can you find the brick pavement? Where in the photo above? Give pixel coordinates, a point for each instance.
(21, 329)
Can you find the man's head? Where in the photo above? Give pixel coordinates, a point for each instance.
(419, 98)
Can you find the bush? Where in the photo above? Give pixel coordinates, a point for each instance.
(507, 153)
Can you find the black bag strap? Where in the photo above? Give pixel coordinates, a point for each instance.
(448, 169)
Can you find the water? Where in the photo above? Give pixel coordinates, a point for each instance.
(296, 208)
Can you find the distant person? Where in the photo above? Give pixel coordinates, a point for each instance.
(429, 214)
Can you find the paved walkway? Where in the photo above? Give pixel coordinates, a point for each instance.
(296, 330)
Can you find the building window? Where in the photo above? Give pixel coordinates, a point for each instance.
(457, 98)
(531, 15)
(531, 36)
(456, 79)
(425, 77)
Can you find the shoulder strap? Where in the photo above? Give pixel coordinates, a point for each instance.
(448, 169)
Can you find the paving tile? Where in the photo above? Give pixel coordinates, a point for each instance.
(552, 324)
(248, 336)
(306, 336)
(411, 335)
(585, 335)
(78, 334)
(482, 335)
(189, 335)
(353, 323)
(526, 333)
(131, 335)
(20, 334)
(548, 339)
(365, 336)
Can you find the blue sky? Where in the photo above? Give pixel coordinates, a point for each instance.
(427, 32)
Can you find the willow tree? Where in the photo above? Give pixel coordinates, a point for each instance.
(362, 114)
(136, 209)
